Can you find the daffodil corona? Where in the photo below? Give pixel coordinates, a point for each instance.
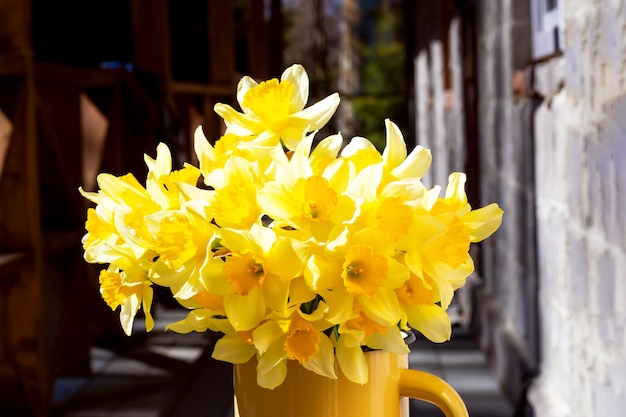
(293, 252)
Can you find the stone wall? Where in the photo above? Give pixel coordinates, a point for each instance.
(548, 302)
(580, 166)
(500, 300)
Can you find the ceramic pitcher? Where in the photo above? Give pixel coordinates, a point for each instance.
(306, 394)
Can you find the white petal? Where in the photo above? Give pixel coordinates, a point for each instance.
(245, 84)
(297, 76)
(321, 112)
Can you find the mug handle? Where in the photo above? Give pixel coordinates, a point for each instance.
(428, 387)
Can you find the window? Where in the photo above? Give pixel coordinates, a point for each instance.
(547, 26)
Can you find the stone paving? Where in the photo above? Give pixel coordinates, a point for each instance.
(163, 374)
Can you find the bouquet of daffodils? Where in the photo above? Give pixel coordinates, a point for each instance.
(289, 251)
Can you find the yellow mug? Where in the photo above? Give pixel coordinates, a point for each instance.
(306, 394)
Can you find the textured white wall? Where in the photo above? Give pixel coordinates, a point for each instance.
(580, 160)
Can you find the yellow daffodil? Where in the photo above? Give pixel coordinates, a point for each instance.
(274, 109)
(126, 284)
(235, 204)
(293, 252)
(205, 307)
(297, 336)
(183, 240)
(161, 180)
(118, 219)
(212, 159)
(419, 300)
(305, 201)
(359, 332)
(235, 346)
(362, 269)
(256, 273)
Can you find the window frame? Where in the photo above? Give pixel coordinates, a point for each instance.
(547, 29)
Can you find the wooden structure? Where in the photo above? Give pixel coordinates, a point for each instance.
(84, 95)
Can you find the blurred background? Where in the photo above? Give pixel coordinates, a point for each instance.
(526, 96)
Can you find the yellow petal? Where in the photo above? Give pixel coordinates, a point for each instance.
(415, 165)
(483, 222)
(352, 362)
(390, 341)
(268, 333)
(273, 377)
(432, 321)
(382, 307)
(323, 362)
(146, 304)
(272, 367)
(245, 312)
(238, 123)
(230, 348)
(395, 150)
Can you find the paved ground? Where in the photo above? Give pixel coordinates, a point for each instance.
(171, 375)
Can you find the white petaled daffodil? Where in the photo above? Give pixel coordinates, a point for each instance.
(275, 110)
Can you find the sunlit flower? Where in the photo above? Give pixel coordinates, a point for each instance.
(126, 285)
(361, 331)
(255, 274)
(362, 269)
(291, 251)
(297, 336)
(274, 109)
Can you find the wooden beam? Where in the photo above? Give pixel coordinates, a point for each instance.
(221, 25)
(221, 90)
(15, 27)
(151, 37)
(258, 56)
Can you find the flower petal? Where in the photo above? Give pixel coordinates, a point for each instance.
(245, 84)
(395, 150)
(432, 321)
(238, 123)
(483, 222)
(352, 362)
(322, 363)
(319, 113)
(230, 348)
(245, 312)
(297, 76)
